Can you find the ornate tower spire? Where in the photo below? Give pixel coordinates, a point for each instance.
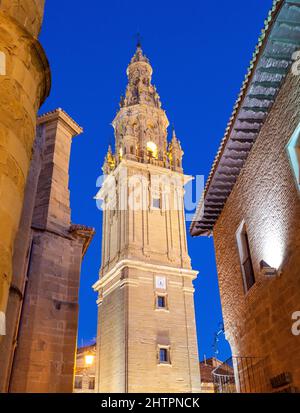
(139, 89)
(140, 124)
(145, 288)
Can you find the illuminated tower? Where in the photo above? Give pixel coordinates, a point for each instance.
(146, 323)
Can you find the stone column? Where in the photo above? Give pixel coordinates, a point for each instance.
(24, 85)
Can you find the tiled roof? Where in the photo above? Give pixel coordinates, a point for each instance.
(270, 64)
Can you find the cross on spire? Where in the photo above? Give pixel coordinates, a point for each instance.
(138, 40)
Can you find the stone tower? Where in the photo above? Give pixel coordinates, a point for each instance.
(146, 323)
(24, 86)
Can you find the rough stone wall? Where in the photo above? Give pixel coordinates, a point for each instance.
(28, 13)
(51, 260)
(45, 355)
(20, 262)
(265, 196)
(24, 85)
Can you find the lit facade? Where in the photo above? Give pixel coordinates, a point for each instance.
(251, 207)
(84, 381)
(146, 324)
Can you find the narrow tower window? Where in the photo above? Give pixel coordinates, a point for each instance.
(161, 301)
(245, 257)
(78, 382)
(156, 203)
(164, 355)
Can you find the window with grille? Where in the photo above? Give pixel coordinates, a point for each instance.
(245, 257)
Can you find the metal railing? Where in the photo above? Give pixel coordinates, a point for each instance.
(240, 375)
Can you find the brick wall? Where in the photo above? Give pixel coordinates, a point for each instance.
(265, 196)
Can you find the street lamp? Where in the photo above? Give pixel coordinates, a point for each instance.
(89, 359)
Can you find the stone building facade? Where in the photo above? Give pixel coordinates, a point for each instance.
(251, 207)
(85, 370)
(38, 352)
(24, 85)
(146, 323)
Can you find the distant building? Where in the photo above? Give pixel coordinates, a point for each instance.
(213, 372)
(251, 206)
(207, 382)
(85, 369)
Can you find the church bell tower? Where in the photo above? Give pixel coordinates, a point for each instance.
(146, 340)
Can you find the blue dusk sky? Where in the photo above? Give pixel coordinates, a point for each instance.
(199, 51)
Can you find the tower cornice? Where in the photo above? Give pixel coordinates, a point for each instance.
(141, 109)
(145, 266)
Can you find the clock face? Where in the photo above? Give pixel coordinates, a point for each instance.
(160, 282)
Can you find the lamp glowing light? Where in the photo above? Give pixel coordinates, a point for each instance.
(89, 359)
(152, 149)
(267, 270)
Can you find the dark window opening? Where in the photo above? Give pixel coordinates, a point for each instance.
(163, 355)
(91, 383)
(245, 257)
(78, 382)
(156, 202)
(161, 301)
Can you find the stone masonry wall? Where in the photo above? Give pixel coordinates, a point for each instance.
(265, 196)
(130, 329)
(24, 85)
(28, 13)
(43, 360)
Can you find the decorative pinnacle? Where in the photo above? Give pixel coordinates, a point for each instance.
(139, 56)
(173, 131)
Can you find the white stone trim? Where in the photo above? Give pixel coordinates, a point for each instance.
(140, 265)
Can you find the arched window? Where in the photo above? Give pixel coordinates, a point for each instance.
(152, 149)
